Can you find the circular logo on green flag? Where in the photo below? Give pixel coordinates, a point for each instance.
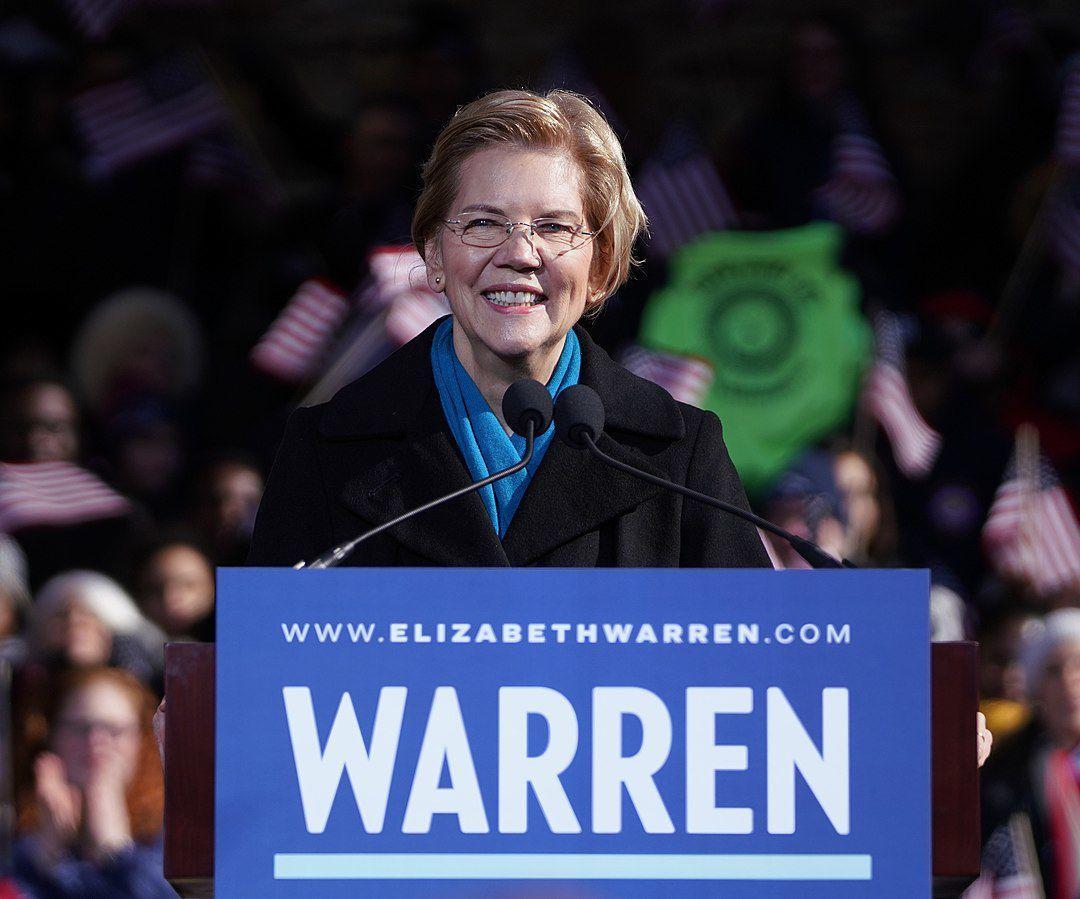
(779, 321)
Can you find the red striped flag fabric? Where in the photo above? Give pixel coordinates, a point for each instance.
(686, 378)
(397, 286)
(35, 494)
(1009, 866)
(1031, 531)
(861, 193)
(886, 397)
(682, 193)
(299, 337)
(159, 109)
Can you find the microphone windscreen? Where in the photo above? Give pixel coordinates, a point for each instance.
(579, 410)
(527, 400)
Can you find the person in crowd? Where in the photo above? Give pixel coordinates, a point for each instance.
(227, 491)
(526, 223)
(83, 619)
(1001, 676)
(137, 342)
(90, 811)
(39, 422)
(14, 601)
(1030, 783)
(175, 588)
(805, 500)
(870, 522)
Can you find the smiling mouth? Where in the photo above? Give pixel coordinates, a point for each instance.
(514, 299)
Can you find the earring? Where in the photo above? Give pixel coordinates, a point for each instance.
(437, 280)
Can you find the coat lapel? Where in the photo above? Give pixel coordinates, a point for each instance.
(572, 492)
(426, 464)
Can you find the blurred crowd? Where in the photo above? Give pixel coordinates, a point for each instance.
(200, 229)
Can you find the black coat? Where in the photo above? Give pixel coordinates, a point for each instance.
(382, 446)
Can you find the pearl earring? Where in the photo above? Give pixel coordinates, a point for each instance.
(437, 280)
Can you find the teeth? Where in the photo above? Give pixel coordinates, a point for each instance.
(513, 298)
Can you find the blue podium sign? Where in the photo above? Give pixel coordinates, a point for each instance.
(626, 731)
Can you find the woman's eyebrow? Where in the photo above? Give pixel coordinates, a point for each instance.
(483, 207)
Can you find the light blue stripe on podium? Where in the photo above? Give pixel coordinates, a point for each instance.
(565, 866)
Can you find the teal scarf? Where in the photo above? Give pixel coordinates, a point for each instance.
(483, 442)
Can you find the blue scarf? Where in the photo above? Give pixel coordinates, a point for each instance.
(485, 445)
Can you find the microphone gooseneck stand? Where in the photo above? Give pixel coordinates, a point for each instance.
(579, 421)
(526, 408)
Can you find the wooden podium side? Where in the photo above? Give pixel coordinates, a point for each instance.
(189, 767)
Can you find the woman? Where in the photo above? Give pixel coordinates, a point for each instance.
(526, 222)
(1030, 797)
(90, 813)
(83, 619)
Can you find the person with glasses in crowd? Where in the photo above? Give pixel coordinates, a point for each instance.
(91, 794)
(526, 223)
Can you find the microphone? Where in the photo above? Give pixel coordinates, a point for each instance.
(526, 407)
(579, 422)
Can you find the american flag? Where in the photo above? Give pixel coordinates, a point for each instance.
(299, 337)
(97, 18)
(886, 397)
(397, 286)
(861, 193)
(687, 379)
(1067, 140)
(1031, 531)
(1062, 222)
(682, 192)
(218, 161)
(155, 111)
(1009, 870)
(35, 494)
(565, 71)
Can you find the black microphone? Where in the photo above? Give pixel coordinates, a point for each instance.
(526, 408)
(579, 422)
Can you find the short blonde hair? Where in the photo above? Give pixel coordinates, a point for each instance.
(558, 120)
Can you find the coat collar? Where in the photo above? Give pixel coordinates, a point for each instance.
(571, 493)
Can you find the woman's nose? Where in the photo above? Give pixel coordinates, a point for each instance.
(519, 250)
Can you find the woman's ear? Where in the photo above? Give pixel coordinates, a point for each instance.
(433, 263)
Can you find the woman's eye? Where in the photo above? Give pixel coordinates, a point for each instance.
(554, 227)
(483, 223)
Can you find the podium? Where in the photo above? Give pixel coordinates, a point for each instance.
(190, 767)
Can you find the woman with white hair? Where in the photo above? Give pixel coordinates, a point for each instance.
(1030, 794)
(83, 619)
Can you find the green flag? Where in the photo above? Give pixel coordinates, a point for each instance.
(779, 320)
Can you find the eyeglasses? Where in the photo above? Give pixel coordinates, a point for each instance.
(493, 230)
(83, 728)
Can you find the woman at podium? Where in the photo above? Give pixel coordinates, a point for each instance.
(526, 223)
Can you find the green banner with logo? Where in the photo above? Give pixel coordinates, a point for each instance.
(779, 320)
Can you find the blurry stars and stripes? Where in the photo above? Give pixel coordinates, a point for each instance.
(1067, 139)
(1031, 531)
(37, 494)
(1062, 220)
(97, 18)
(565, 71)
(155, 111)
(218, 161)
(295, 344)
(1009, 867)
(861, 193)
(682, 192)
(687, 379)
(886, 397)
(397, 285)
